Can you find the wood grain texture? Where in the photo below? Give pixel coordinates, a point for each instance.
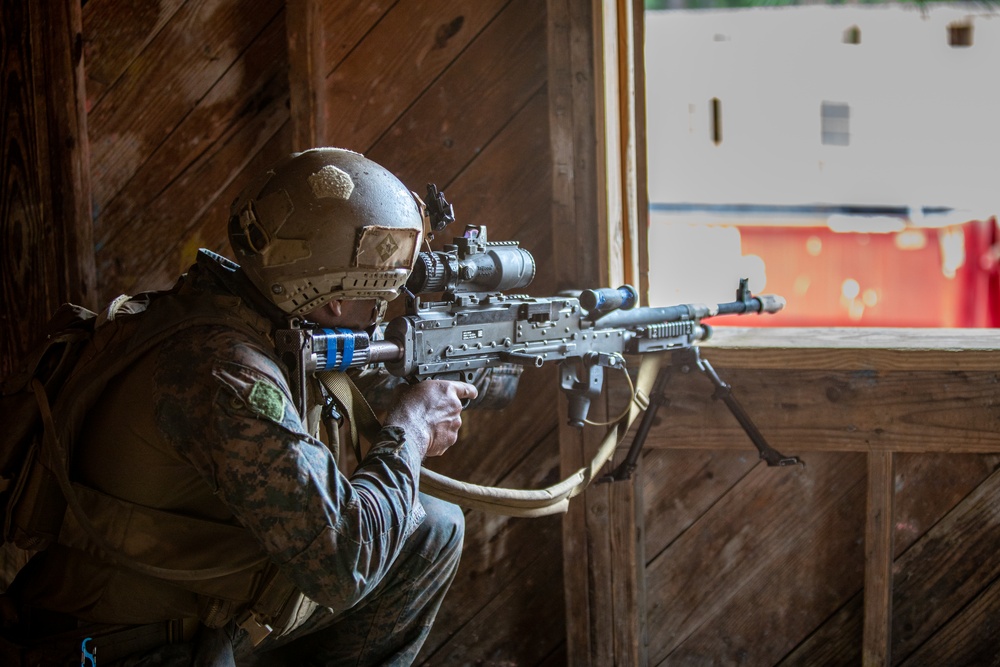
(769, 561)
(954, 563)
(185, 59)
(44, 207)
(148, 233)
(877, 649)
(799, 411)
(306, 73)
(446, 128)
(115, 33)
(928, 487)
(397, 61)
(875, 349)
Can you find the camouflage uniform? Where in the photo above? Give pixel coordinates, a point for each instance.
(206, 426)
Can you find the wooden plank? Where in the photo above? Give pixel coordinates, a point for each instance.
(642, 191)
(947, 569)
(679, 486)
(609, 129)
(876, 651)
(446, 128)
(517, 627)
(114, 34)
(45, 230)
(57, 28)
(395, 63)
(603, 566)
(215, 179)
(345, 24)
(803, 411)
(928, 486)
(574, 225)
(306, 73)
(185, 60)
(970, 638)
(188, 173)
(627, 571)
(573, 201)
(740, 586)
(506, 192)
(831, 348)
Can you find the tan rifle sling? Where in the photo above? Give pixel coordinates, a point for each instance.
(499, 500)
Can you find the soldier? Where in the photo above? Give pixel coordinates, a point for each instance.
(248, 545)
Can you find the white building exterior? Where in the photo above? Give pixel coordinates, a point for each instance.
(736, 130)
(924, 116)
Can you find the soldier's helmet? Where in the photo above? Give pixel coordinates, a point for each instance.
(326, 223)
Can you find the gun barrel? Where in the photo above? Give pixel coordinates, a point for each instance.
(384, 350)
(766, 303)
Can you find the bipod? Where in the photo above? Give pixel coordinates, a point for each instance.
(685, 360)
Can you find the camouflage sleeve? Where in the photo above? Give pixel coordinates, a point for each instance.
(224, 404)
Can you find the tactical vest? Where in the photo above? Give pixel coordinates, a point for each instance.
(214, 570)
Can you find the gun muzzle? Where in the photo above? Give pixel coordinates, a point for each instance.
(771, 303)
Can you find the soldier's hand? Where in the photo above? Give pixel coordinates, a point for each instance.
(430, 413)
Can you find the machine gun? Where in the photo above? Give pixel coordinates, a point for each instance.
(477, 324)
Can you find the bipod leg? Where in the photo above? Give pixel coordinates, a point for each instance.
(724, 392)
(657, 398)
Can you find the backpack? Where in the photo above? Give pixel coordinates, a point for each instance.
(45, 404)
(46, 401)
(27, 519)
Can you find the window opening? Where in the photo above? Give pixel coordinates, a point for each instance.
(960, 34)
(716, 107)
(835, 119)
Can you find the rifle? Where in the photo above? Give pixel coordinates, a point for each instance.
(477, 324)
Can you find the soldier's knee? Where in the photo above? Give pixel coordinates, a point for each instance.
(445, 528)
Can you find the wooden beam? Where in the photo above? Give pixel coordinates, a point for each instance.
(877, 647)
(306, 73)
(835, 348)
(46, 230)
(595, 232)
(642, 189)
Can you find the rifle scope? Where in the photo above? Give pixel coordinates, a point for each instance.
(471, 265)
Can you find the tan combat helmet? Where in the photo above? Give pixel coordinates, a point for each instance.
(326, 224)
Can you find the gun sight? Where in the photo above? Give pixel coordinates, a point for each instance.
(471, 264)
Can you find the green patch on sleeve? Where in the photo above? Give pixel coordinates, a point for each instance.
(267, 401)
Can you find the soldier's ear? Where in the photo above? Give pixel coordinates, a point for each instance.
(335, 307)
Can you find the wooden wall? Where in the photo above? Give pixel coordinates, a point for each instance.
(882, 550)
(183, 101)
